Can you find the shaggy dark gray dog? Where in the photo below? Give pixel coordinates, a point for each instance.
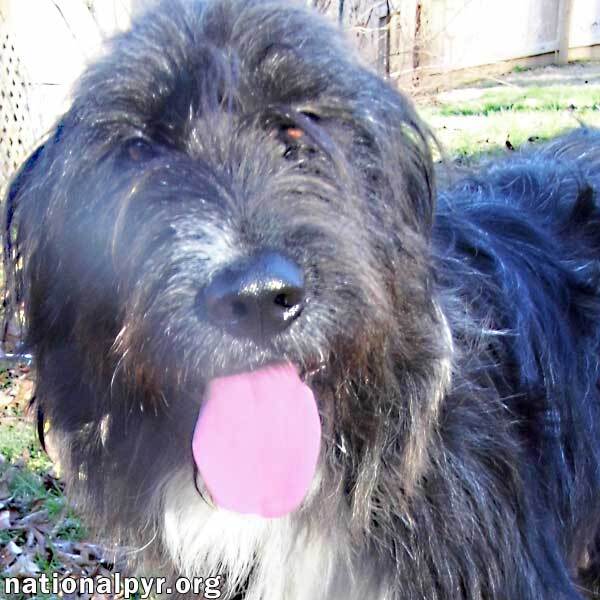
(233, 198)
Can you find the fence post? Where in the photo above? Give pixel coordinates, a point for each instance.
(403, 39)
(564, 26)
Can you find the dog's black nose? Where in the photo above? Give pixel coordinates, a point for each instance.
(256, 298)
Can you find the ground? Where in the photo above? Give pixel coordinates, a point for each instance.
(522, 107)
(39, 533)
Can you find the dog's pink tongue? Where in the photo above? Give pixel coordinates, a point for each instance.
(257, 441)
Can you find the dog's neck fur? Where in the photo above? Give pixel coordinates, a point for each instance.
(273, 559)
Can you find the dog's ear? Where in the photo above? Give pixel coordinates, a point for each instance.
(19, 182)
(13, 231)
(12, 251)
(23, 177)
(11, 255)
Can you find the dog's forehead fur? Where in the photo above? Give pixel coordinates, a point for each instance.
(199, 76)
(195, 59)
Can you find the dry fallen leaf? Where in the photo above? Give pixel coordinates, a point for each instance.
(5, 520)
(24, 566)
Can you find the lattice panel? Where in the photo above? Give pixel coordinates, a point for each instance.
(16, 132)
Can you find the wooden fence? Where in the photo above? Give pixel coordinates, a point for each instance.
(422, 41)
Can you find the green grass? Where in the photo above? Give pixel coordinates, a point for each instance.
(485, 121)
(18, 443)
(31, 489)
(547, 99)
(36, 495)
(25, 483)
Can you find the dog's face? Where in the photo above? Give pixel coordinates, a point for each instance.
(230, 192)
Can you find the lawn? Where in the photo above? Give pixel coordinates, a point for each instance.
(479, 119)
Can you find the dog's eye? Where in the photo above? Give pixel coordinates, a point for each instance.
(139, 149)
(290, 137)
(288, 134)
(294, 133)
